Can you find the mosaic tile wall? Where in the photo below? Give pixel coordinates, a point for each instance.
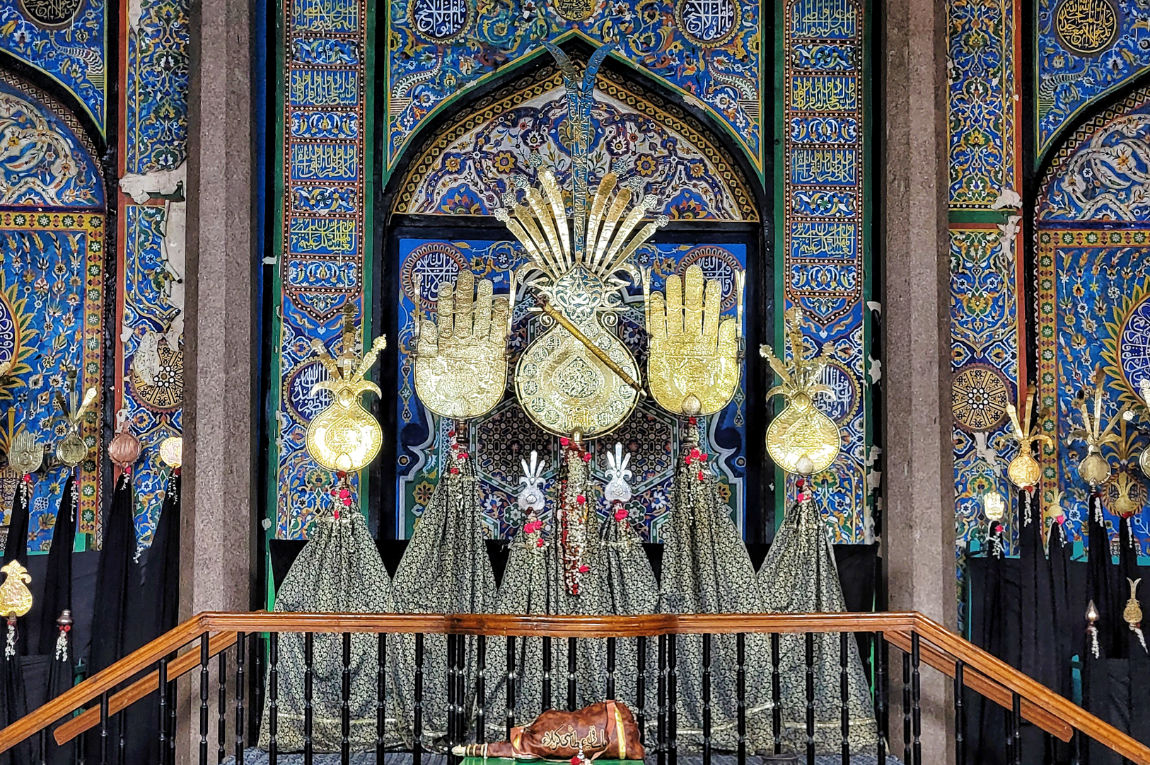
(505, 436)
(1093, 306)
(149, 352)
(987, 350)
(51, 289)
(1084, 49)
(323, 188)
(709, 52)
(824, 238)
(65, 39)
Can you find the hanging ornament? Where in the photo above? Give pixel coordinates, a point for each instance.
(64, 625)
(577, 375)
(172, 452)
(15, 601)
(801, 439)
(26, 456)
(573, 509)
(344, 436)
(1132, 613)
(1024, 471)
(994, 508)
(72, 449)
(124, 449)
(1092, 627)
(1058, 518)
(1093, 468)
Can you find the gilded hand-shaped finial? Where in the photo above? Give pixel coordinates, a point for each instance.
(461, 356)
(692, 353)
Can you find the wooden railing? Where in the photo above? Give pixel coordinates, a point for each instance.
(922, 641)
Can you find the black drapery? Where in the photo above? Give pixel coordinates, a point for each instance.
(117, 584)
(11, 673)
(153, 613)
(57, 599)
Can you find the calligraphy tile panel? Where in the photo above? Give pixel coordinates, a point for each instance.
(51, 322)
(154, 116)
(823, 236)
(708, 50)
(983, 110)
(321, 245)
(65, 39)
(1084, 50)
(500, 439)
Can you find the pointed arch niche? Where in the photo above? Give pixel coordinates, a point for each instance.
(1092, 301)
(440, 215)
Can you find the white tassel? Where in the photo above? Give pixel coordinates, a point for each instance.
(62, 646)
(10, 643)
(1093, 640)
(1141, 638)
(1026, 513)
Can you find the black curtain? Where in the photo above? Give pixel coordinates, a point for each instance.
(117, 584)
(155, 612)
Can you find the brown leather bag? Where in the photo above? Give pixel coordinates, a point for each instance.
(604, 729)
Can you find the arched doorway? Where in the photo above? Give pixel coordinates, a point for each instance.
(440, 220)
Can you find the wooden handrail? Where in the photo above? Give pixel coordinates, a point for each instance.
(121, 700)
(1027, 688)
(984, 686)
(939, 649)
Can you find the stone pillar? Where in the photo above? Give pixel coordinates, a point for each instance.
(218, 532)
(918, 483)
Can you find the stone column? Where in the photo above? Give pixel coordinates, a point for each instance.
(218, 533)
(918, 483)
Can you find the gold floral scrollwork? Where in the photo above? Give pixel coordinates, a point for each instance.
(693, 361)
(461, 355)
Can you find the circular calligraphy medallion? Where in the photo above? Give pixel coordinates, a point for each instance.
(439, 20)
(303, 405)
(574, 10)
(717, 263)
(979, 396)
(425, 268)
(51, 13)
(1133, 346)
(166, 390)
(846, 395)
(708, 23)
(1086, 27)
(172, 451)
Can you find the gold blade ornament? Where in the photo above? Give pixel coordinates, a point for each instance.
(72, 449)
(1093, 468)
(1132, 613)
(461, 357)
(15, 601)
(344, 437)
(584, 381)
(693, 360)
(801, 439)
(1024, 471)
